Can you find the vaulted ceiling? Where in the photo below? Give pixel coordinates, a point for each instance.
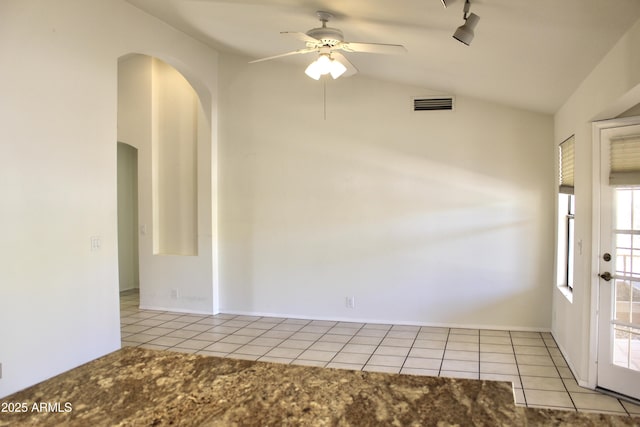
(530, 54)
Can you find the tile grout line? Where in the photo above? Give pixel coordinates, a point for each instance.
(377, 346)
(156, 326)
(559, 374)
(444, 352)
(411, 348)
(221, 324)
(265, 331)
(271, 329)
(252, 339)
(175, 346)
(513, 348)
(212, 316)
(345, 343)
(274, 346)
(318, 340)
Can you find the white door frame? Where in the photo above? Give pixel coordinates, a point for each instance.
(598, 127)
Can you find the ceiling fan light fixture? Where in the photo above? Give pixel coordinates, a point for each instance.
(325, 65)
(337, 69)
(313, 70)
(327, 42)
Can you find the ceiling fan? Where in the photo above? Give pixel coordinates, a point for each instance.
(327, 42)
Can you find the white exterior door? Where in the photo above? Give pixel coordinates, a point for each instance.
(619, 259)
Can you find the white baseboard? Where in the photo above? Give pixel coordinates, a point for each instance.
(175, 310)
(383, 321)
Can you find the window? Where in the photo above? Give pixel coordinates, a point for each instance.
(571, 208)
(566, 214)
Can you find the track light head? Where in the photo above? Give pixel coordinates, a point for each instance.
(464, 33)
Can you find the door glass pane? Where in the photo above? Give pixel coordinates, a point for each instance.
(635, 304)
(636, 209)
(623, 298)
(623, 240)
(623, 260)
(626, 289)
(626, 348)
(635, 262)
(621, 348)
(634, 353)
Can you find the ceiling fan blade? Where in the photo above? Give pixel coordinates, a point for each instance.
(351, 69)
(301, 36)
(295, 52)
(373, 47)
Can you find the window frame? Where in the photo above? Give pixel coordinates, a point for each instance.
(566, 215)
(570, 241)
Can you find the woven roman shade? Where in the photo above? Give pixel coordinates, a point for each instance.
(625, 161)
(567, 165)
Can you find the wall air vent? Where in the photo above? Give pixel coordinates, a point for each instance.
(433, 103)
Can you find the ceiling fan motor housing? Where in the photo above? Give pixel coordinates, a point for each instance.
(327, 35)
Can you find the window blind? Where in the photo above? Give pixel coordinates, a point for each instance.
(625, 161)
(567, 165)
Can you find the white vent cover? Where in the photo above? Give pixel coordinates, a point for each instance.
(432, 103)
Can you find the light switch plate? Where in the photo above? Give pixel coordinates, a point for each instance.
(96, 243)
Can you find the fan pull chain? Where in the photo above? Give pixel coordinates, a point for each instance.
(324, 98)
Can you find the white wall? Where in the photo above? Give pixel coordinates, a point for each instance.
(174, 185)
(175, 171)
(59, 300)
(611, 89)
(428, 217)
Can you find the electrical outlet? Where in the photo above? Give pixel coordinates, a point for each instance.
(351, 302)
(0, 370)
(174, 294)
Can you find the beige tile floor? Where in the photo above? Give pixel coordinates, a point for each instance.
(530, 360)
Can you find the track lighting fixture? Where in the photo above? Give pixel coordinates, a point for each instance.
(464, 33)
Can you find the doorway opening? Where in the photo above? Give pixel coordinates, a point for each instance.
(128, 259)
(162, 119)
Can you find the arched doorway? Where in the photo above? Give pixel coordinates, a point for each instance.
(163, 117)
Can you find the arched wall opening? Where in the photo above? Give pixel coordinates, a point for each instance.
(163, 116)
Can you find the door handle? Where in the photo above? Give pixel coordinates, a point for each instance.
(606, 276)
